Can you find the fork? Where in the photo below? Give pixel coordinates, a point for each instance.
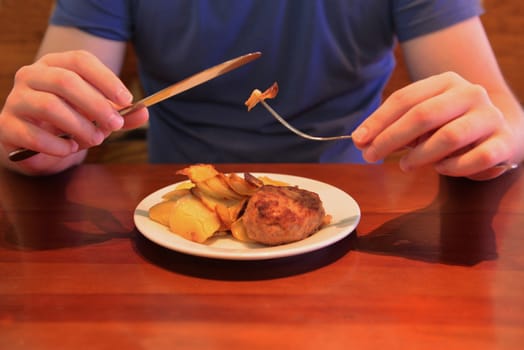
(504, 166)
(298, 132)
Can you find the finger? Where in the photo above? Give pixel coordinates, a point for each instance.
(456, 135)
(399, 103)
(488, 174)
(136, 119)
(480, 158)
(27, 135)
(53, 111)
(81, 96)
(416, 123)
(92, 70)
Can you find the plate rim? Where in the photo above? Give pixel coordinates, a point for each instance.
(261, 252)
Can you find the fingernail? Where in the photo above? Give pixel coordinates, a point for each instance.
(360, 134)
(115, 121)
(370, 154)
(74, 146)
(124, 97)
(98, 137)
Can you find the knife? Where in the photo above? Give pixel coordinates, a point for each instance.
(172, 90)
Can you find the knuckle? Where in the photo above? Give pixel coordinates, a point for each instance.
(497, 119)
(400, 97)
(22, 74)
(498, 150)
(488, 157)
(65, 80)
(48, 57)
(78, 58)
(423, 115)
(478, 92)
(47, 104)
(450, 138)
(452, 77)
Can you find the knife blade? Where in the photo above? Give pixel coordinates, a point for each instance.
(191, 82)
(170, 91)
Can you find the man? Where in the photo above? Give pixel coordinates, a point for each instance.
(330, 58)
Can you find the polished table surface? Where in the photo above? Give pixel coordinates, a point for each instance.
(435, 263)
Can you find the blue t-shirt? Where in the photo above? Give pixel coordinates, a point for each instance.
(331, 59)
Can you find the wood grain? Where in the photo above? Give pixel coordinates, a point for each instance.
(434, 263)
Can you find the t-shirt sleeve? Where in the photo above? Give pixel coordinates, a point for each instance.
(413, 18)
(107, 19)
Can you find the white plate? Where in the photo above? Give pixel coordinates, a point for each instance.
(342, 207)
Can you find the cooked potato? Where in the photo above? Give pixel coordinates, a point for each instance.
(253, 180)
(191, 219)
(257, 96)
(199, 172)
(218, 187)
(176, 193)
(226, 209)
(241, 186)
(269, 181)
(160, 212)
(211, 203)
(238, 230)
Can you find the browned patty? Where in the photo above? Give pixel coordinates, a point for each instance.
(282, 214)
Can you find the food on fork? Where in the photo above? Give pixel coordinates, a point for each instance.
(250, 208)
(257, 96)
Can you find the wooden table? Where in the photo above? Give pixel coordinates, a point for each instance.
(435, 263)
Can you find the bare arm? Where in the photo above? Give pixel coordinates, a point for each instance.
(72, 84)
(475, 62)
(61, 39)
(462, 122)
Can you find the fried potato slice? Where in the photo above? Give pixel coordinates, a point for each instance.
(218, 187)
(269, 181)
(199, 172)
(210, 181)
(191, 219)
(209, 204)
(253, 180)
(241, 186)
(160, 212)
(227, 210)
(175, 194)
(257, 96)
(238, 230)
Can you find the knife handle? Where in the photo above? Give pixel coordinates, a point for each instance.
(20, 154)
(24, 153)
